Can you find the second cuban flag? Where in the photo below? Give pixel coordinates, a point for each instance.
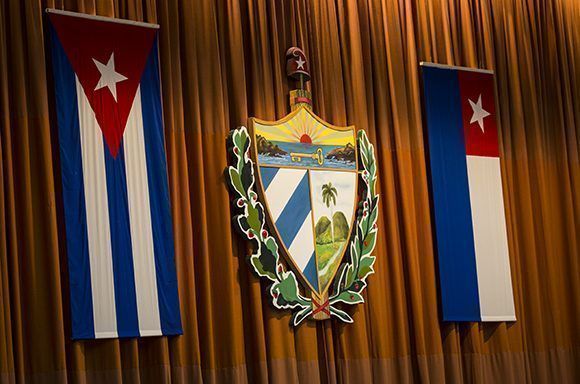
(466, 186)
(114, 178)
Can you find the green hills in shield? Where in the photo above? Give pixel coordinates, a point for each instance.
(327, 250)
(323, 230)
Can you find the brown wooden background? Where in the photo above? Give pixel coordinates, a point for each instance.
(223, 61)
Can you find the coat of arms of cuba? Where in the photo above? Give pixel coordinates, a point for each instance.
(304, 193)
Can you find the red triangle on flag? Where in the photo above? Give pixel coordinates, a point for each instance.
(477, 94)
(108, 59)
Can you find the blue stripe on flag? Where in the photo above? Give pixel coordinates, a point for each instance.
(161, 222)
(267, 174)
(122, 253)
(295, 212)
(79, 269)
(450, 192)
(311, 273)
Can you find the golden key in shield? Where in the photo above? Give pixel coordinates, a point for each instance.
(297, 157)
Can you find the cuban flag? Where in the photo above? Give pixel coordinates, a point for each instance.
(466, 187)
(119, 232)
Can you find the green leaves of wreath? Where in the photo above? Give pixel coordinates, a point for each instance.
(266, 261)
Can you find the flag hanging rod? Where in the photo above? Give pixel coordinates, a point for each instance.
(102, 18)
(445, 66)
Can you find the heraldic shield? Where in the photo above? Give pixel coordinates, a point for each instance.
(308, 182)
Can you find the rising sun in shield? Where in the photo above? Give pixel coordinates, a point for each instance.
(308, 181)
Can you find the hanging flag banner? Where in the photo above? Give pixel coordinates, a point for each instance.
(119, 231)
(466, 186)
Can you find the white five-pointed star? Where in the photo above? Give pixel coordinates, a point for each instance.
(300, 63)
(478, 113)
(109, 77)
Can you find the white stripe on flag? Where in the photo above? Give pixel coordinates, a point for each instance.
(98, 226)
(140, 218)
(282, 188)
(490, 237)
(302, 246)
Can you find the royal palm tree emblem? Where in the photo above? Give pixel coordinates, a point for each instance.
(329, 194)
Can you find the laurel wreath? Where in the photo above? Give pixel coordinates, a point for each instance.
(266, 262)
